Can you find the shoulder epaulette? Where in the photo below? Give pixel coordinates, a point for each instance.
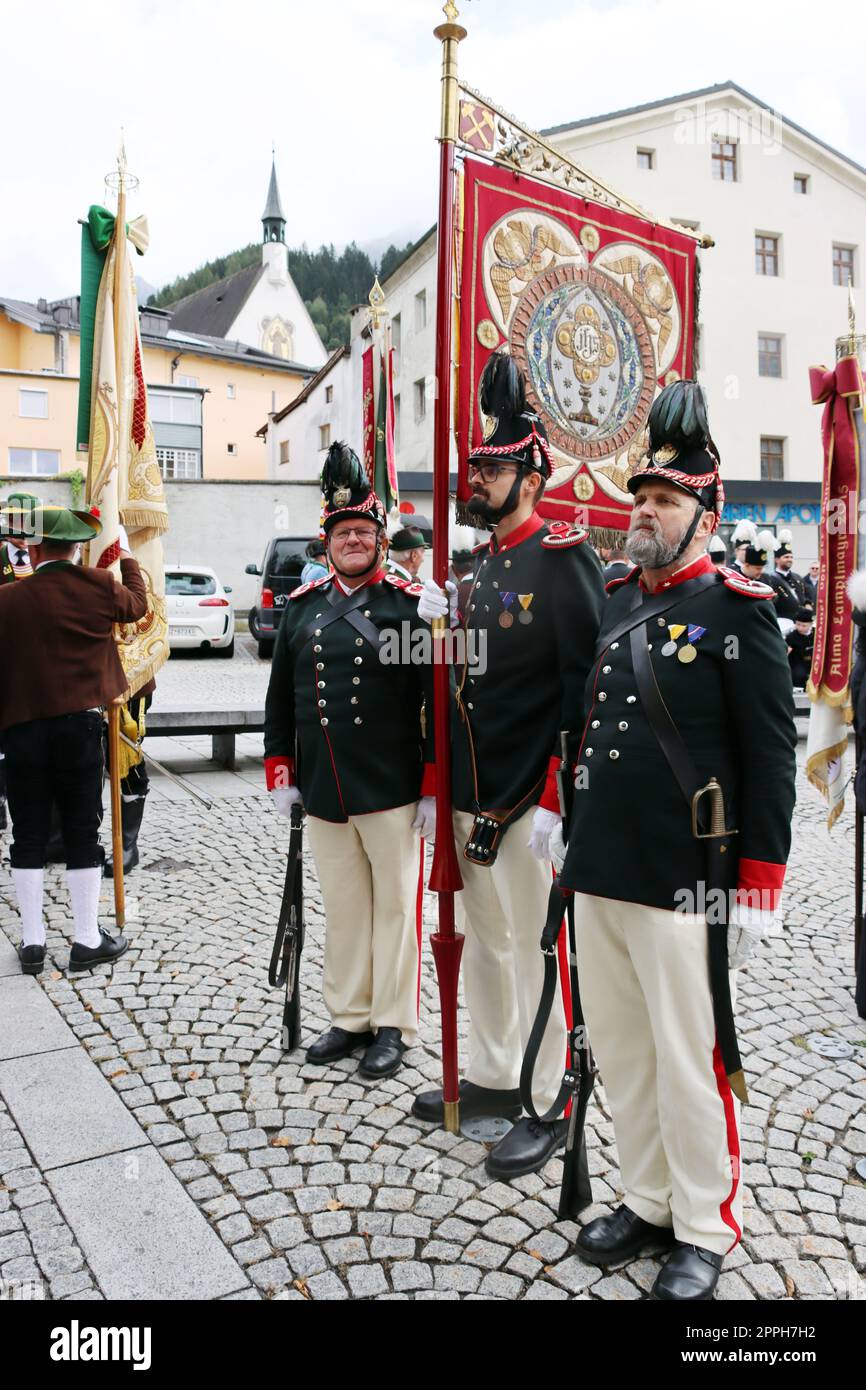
(313, 584)
(621, 579)
(416, 590)
(560, 534)
(749, 588)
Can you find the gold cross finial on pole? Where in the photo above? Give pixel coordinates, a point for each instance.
(376, 300)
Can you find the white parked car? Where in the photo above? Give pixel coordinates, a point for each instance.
(200, 612)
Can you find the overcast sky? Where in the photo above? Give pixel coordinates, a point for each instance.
(348, 91)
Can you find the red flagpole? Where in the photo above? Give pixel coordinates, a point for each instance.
(445, 878)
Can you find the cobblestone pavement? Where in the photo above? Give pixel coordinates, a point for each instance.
(324, 1187)
(189, 678)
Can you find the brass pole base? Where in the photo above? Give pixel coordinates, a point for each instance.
(738, 1085)
(452, 1116)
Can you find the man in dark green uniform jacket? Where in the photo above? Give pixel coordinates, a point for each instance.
(532, 618)
(344, 733)
(639, 875)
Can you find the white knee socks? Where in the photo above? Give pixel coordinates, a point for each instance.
(28, 890)
(84, 889)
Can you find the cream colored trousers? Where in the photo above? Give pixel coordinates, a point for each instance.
(505, 907)
(368, 870)
(644, 986)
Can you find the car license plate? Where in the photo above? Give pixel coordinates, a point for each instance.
(181, 631)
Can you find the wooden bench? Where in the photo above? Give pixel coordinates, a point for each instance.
(222, 723)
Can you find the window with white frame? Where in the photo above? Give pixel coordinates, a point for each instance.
(769, 354)
(230, 391)
(329, 395)
(324, 436)
(169, 408)
(646, 159)
(284, 451)
(420, 310)
(232, 449)
(41, 463)
(420, 392)
(186, 381)
(179, 463)
(32, 405)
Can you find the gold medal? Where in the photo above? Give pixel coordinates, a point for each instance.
(687, 654)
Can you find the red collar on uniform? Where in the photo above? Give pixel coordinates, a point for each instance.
(532, 524)
(699, 566)
(374, 579)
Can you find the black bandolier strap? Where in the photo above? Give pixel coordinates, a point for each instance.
(340, 608)
(720, 872)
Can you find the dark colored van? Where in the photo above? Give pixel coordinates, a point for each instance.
(280, 570)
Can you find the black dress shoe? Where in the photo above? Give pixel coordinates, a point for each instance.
(32, 959)
(110, 949)
(336, 1043)
(475, 1102)
(526, 1148)
(609, 1239)
(691, 1274)
(384, 1056)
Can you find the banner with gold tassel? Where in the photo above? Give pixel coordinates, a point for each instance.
(124, 484)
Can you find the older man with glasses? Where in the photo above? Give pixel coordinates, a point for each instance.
(344, 734)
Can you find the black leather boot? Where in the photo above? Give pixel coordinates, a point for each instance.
(475, 1102)
(131, 813)
(32, 959)
(691, 1274)
(384, 1056)
(110, 949)
(609, 1239)
(526, 1148)
(336, 1043)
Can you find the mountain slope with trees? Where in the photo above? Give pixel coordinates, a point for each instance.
(329, 284)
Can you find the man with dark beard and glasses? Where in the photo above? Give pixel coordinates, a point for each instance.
(533, 611)
(690, 684)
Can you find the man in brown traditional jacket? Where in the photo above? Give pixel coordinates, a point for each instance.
(59, 630)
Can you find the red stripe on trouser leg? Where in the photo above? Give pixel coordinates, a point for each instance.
(419, 925)
(565, 986)
(733, 1138)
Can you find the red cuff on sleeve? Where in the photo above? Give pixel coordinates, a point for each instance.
(549, 798)
(760, 884)
(428, 780)
(279, 772)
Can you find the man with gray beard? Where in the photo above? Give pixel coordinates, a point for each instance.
(676, 854)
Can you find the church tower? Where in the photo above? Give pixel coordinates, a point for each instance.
(275, 255)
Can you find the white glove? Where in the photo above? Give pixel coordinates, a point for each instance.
(557, 847)
(438, 603)
(425, 818)
(746, 926)
(284, 799)
(123, 538)
(543, 824)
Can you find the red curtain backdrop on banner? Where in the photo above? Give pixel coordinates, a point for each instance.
(368, 414)
(596, 305)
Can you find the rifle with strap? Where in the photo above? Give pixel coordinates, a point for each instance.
(579, 1077)
(285, 963)
(708, 826)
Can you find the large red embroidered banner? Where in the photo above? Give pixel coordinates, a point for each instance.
(596, 304)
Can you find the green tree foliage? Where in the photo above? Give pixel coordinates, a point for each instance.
(329, 284)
